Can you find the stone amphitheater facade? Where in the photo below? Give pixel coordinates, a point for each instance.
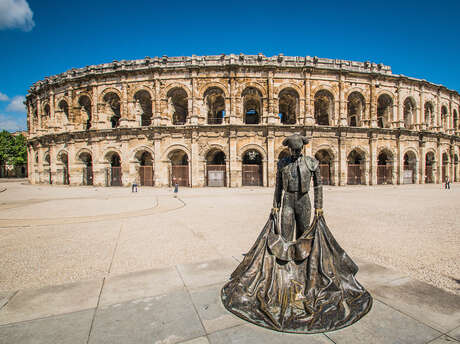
(220, 121)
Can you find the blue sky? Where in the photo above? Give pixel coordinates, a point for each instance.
(41, 38)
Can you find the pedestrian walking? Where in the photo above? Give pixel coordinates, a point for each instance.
(447, 186)
(134, 187)
(176, 187)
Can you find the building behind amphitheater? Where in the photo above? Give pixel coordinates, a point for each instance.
(220, 121)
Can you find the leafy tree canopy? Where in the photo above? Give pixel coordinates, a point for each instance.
(13, 149)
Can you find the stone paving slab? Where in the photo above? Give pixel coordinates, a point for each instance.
(444, 340)
(432, 306)
(384, 325)
(455, 333)
(163, 319)
(372, 275)
(213, 314)
(201, 340)
(4, 297)
(63, 329)
(141, 284)
(250, 334)
(197, 275)
(48, 301)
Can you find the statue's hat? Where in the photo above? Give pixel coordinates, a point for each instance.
(295, 141)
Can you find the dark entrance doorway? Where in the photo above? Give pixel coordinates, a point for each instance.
(216, 168)
(87, 176)
(355, 168)
(445, 167)
(429, 167)
(115, 170)
(252, 168)
(146, 169)
(409, 169)
(325, 164)
(179, 168)
(384, 168)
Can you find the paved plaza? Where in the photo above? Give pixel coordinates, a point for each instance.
(104, 265)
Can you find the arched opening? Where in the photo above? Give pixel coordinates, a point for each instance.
(409, 113)
(215, 103)
(252, 168)
(430, 164)
(216, 168)
(444, 116)
(112, 101)
(325, 164)
(45, 115)
(64, 108)
(409, 167)
(179, 168)
(87, 175)
(445, 166)
(384, 111)
(385, 168)
(429, 115)
(252, 105)
(455, 168)
(47, 168)
(355, 168)
(289, 106)
(143, 104)
(178, 105)
(145, 161)
(324, 107)
(455, 120)
(64, 160)
(85, 111)
(355, 109)
(114, 172)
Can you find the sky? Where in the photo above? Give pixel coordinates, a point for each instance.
(39, 38)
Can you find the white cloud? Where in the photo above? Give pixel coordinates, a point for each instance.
(12, 124)
(16, 104)
(16, 14)
(3, 97)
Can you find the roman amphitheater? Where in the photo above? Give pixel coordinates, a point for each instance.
(220, 121)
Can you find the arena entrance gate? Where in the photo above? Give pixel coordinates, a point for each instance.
(252, 169)
(384, 169)
(355, 169)
(409, 169)
(146, 175)
(429, 167)
(216, 168)
(179, 175)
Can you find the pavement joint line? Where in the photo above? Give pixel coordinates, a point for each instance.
(410, 316)
(193, 304)
(442, 335)
(95, 311)
(331, 340)
(8, 298)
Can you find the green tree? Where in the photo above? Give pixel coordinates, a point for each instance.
(13, 149)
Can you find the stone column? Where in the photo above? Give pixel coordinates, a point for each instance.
(235, 167)
(309, 118)
(422, 159)
(195, 178)
(373, 159)
(342, 171)
(160, 166)
(399, 123)
(400, 161)
(439, 164)
(451, 130)
(342, 115)
(271, 168)
(438, 113)
(272, 107)
(231, 115)
(372, 108)
(156, 108)
(124, 115)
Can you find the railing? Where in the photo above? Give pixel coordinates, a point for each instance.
(252, 175)
(354, 176)
(384, 174)
(146, 175)
(179, 175)
(216, 175)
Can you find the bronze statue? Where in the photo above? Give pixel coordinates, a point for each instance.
(296, 277)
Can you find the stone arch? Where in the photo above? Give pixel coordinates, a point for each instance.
(62, 160)
(139, 88)
(429, 114)
(81, 152)
(214, 100)
(242, 87)
(253, 146)
(324, 107)
(285, 85)
(455, 120)
(410, 163)
(356, 107)
(175, 147)
(85, 157)
(179, 165)
(356, 166)
(252, 166)
(430, 166)
(385, 165)
(385, 103)
(113, 102)
(212, 147)
(79, 95)
(359, 90)
(409, 109)
(174, 85)
(60, 155)
(109, 152)
(444, 116)
(252, 105)
(63, 106)
(289, 105)
(143, 106)
(85, 115)
(178, 99)
(214, 84)
(326, 159)
(109, 90)
(134, 153)
(216, 166)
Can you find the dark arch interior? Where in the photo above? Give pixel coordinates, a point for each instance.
(115, 160)
(355, 158)
(179, 158)
(216, 157)
(144, 100)
(252, 157)
(384, 159)
(323, 156)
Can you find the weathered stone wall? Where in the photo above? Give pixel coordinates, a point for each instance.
(198, 105)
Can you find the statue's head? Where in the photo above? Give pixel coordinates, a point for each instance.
(295, 143)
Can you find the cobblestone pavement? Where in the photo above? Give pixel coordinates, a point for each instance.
(50, 235)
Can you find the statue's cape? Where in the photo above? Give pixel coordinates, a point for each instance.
(306, 286)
